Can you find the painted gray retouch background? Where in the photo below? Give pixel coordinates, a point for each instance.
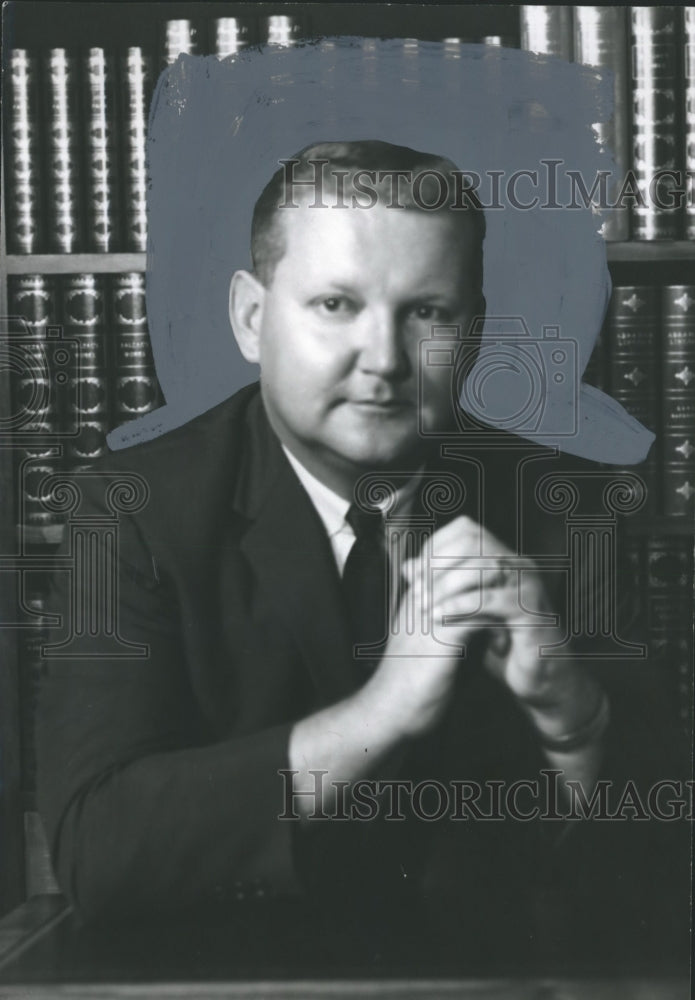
(219, 127)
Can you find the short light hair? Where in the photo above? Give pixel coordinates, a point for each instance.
(268, 244)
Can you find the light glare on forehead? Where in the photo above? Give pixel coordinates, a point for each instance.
(347, 244)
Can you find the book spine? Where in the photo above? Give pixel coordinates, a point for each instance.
(39, 876)
(500, 41)
(282, 30)
(34, 635)
(596, 371)
(451, 68)
(600, 39)
(669, 583)
(101, 215)
(84, 320)
(656, 216)
(136, 390)
(452, 46)
(689, 118)
(40, 372)
(669, 613)
(633, 324)
(633, 555)
(671, 653)
(370, 67)
(63, 187)
(136, 84)
(678, 401)
(410, 65)
(23, 156)
(326, 74)
(230, 35)
(180, 35)
(38, 872)
(547, 30)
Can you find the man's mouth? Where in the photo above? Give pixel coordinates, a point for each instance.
(388, 404)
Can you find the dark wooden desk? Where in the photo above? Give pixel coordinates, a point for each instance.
(363, 990)
(45, 953)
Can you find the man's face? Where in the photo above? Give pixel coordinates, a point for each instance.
(340, 328)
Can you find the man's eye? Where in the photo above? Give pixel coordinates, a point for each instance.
(427, 312)
(334, 304)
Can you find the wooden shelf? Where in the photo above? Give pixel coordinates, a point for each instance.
(660, 525)
(642, 251)
(116, 263)
(32, 535)
(75, 263)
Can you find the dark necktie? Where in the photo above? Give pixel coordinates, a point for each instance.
(365, 581)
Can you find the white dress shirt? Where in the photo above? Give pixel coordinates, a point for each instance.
(332, 509)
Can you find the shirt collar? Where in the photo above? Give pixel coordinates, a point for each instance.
(331, 507)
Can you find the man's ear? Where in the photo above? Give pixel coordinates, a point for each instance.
(246, 299)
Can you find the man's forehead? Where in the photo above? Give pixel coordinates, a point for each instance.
(329, 224)
(379, 251)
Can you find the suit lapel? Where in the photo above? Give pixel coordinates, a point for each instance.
(291, 558)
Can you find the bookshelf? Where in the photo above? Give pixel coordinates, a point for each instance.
(110, 263)
(635, 252)
(116, 26)
(74, 263)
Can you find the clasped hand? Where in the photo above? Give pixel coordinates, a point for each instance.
(458, 600)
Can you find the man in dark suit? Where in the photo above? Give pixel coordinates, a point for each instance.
(165, 777)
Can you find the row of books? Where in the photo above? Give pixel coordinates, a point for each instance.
(82, 364)
(645, 359)
(664, 568)
(75, 157)
(651, 53)
(70, 185)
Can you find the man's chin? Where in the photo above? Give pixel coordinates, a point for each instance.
(401, 456)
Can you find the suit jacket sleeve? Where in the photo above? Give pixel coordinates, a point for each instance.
(143, 811)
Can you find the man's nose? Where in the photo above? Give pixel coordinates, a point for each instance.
(382, 348)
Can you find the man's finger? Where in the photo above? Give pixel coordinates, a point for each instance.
(464, 536)
(464, 577)
(489, 606)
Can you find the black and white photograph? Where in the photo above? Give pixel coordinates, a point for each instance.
(347, 496)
